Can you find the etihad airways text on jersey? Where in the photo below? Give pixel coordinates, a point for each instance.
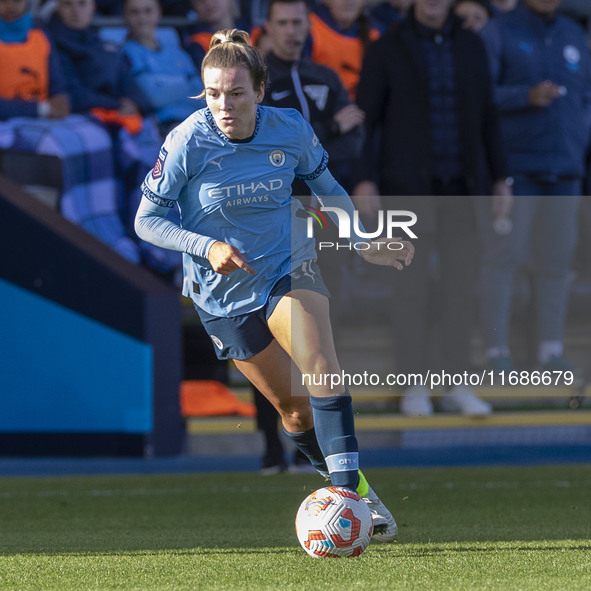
(245, 189)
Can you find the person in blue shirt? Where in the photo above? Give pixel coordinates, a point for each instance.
(249, 264)
(96, 71)
(163, 71)
(100, 86)
(541, 70)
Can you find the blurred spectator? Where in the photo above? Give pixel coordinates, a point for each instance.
(32, 83)
(425, 86)
(254, 12)
(504, 5)
(341, 31)
(262, 42)
(109, 7)
(313, 89)
(162, 70)
(388, 13)
(99, 83)
(180, 8)
(474, 13)
(34, 109)
(98, 76)
(212, 16)
(542, 72)
(316, 92)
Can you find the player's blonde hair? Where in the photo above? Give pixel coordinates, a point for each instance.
(232, 48)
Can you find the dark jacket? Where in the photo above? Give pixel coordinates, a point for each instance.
(317, 92)
(97, 72)
(524, 50)
(394, 93)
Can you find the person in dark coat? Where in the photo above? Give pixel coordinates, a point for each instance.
(426, 91)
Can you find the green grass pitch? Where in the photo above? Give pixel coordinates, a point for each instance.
(460, 529)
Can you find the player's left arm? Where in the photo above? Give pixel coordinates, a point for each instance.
(312, 168)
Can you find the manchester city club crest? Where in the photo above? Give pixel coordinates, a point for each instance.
(277, 158)
(158, 167)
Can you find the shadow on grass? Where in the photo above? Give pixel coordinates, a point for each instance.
(155, 552)
(439, 550)
(410, 550)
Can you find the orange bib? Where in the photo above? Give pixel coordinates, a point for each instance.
(343, 54)
(202, 38)
(24, 68)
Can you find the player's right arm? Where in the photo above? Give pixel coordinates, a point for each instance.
(160, 191)
(152, 226)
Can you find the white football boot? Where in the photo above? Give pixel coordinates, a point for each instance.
(385, 529)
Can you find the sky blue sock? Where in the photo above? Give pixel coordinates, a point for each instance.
(307, 443)
(335, 430)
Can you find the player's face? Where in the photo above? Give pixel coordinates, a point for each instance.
(473, 15)
(142, 17)
(547, 7)
(11, 10)
(76, 14)
(288, 27)
(232, 100)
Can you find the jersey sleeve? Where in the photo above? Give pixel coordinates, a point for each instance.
(164, 183)
(313, 158)
(161, 189)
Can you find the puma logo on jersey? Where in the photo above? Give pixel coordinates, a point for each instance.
(308, 270)
(218, 163)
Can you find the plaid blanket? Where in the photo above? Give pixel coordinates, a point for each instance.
(102, 172)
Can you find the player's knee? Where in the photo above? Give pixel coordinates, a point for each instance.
(316, 369)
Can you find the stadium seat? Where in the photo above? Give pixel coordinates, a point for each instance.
(39, 174)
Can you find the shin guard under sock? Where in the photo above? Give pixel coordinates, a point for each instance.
(335, 430)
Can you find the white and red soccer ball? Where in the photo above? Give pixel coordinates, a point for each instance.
(334, 522)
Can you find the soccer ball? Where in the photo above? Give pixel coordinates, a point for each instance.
(334, 522)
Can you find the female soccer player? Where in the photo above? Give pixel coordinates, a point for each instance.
(249, 266)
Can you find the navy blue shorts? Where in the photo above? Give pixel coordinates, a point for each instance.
(243, 336)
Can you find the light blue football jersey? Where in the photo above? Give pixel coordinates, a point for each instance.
(239, 192)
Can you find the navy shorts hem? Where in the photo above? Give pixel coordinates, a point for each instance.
(244, 336)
